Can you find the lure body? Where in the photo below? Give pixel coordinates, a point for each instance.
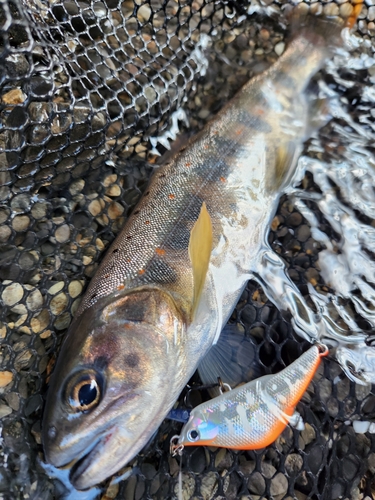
(255, 414)
(168, 284)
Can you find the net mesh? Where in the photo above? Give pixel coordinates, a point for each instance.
(89, 90)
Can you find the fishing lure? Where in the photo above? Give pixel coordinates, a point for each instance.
(253, 415)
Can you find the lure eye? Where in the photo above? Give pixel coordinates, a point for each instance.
(193, 435)
(84, 391)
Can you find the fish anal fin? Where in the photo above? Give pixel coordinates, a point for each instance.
(232, 358)
(200, 248)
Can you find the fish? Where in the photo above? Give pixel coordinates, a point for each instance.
(253, 415)
(171, 279)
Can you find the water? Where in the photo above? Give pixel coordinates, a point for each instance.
(346, 199)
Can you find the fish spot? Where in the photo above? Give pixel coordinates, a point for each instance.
(128, 237)
(188, 164)
(101, 363)
(136, 212)
(106, 276)
(161, 176)
(120, 287)
(115, 250)
(171, 196)
(223, 179)
(52, 432)
(160, 251)
(93, 296)
(206, 146)
(147, 193)
(147, 222)
(141, 271)
(132, 360)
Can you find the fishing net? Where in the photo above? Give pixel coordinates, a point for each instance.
(90, 92)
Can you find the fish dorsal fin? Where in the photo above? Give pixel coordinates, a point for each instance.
(200, 247)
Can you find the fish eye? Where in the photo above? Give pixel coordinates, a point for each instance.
(84, 390)
(193, 435)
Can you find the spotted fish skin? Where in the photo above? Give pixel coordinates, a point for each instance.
(138, 337)
(253, 415)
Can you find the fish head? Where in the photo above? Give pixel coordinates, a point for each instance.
(112, 384)
(199, 430)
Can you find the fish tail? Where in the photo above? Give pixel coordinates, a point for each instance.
(323, 29)
(357, 8)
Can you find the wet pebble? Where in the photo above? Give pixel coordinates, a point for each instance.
(279, 48)
(303, 233)
(12, 294)
(293, 463)
(4, 410)
(308, 434)
(115, 210)
(58, 303)
(188, 487)
(63, 321)
(14, 96)
(109, 179)
(279, 485)
(76, 187)
(174, 466)
(257, 484)
(96, 207)
(209, 485)
(20, 223)
(248, 314)
(39, 210)
(223, 459)
(111, 492)
(34, 300)
(5, 378)
(23, 360)
(40, 322)
(75, 288)
(144, 13)
(371, 463)
(5, 233)
(56, 287)
(62, 233)
(113, 190)
(13, 400)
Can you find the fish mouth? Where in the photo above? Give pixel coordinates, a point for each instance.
(88, 470)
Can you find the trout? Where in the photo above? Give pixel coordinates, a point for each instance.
(173, 276)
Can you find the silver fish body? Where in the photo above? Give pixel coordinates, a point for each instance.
(138, 337)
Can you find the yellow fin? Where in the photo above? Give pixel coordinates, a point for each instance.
(200, 247)
(284, 161)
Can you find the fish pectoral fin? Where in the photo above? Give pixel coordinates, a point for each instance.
(200, 248)
(233, 358)
(285, 158)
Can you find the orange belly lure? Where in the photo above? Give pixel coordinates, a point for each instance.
(254, 415)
